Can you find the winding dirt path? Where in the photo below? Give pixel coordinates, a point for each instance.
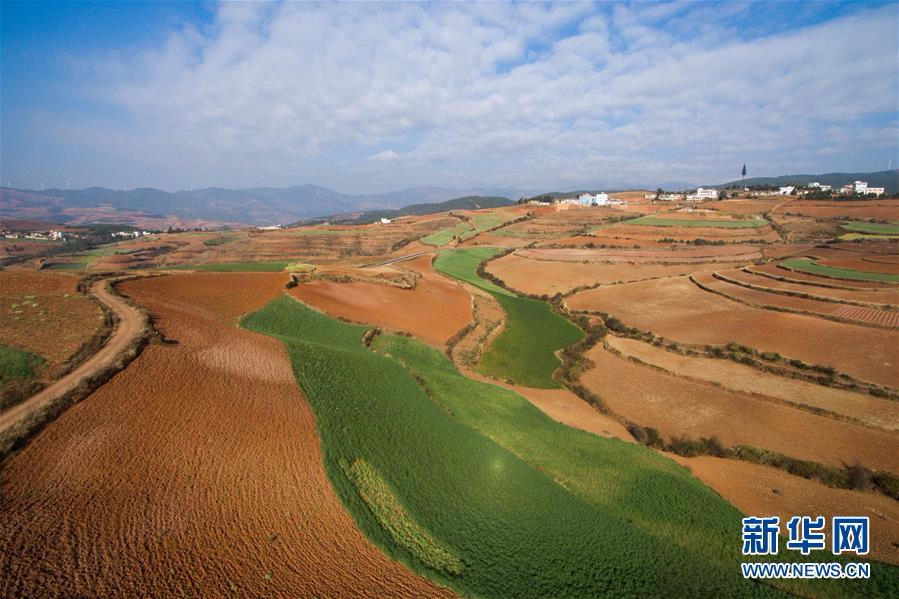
(129, 324)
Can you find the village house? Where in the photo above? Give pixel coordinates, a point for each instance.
(702, 194)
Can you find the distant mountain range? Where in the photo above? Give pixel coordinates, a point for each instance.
(369, 216)
(889, 180)
(213, 206)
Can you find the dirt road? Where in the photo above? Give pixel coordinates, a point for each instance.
(128, 328)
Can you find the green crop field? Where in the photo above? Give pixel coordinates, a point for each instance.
(474, 487)
(482, 222)
(808, 265)
(656, 221)
(16, 365)
(524, 351)
(235, 267)
(871, 228)
(463, 265)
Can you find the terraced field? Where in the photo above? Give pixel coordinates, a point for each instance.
(516, 491)
(524, 352)
(811, 266)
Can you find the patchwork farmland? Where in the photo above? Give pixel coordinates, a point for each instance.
(530, 400)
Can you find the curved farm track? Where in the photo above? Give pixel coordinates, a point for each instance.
(196, 471)
(130, 325)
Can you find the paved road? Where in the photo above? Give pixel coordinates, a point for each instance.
(129, 327)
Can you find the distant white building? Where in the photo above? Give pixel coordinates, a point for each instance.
(860, 186)
(586, 199)
(270, 228)
(786, 190)
(702, 194)
(874, 191)
(386, 221)
(818, 186)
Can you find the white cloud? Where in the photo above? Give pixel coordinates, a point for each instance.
(385, 156)
(527, 94)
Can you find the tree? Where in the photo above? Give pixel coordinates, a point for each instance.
(744, 171)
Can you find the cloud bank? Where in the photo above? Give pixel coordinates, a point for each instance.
(381, 96)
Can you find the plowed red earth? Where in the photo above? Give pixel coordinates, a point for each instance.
(196, 471)
(677, 309)
(433, 311)
(755, 489)
(680, 407)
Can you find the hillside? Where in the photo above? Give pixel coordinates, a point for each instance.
(464, 203)
(213, 206)
(889, 180)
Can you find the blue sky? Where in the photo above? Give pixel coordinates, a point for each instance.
(374, 97)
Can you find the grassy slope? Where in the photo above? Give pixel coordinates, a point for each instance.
(530, 507)
(17, 365)
(808, 265)
(873, 228)
(482, 222)
(524, 351)
(656, 221)
(235, 267)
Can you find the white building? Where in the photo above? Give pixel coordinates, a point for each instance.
(860, 186)
(786, 190)
(874, 191)
(600, 199)
(819, 187)
(270, 228)
(702, 194)
(386, 221)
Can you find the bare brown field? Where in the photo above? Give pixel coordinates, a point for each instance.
(175, 478)
(548, 277)
(744, 206)
(661, 254)
(433, 311)
(882, 413)
(43, 313)
(773, 269)
(677, 309)
(679, 407)
(775, 300)
(877, 209)
(749, 276)
(647, 232)
(755, 489)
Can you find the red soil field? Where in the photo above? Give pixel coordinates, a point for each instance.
(774, 269)
(659, 254)
(878, 209)
(888, 318)
(548, 277)
(755, 489)
(195, 471)
(885, 296)
(677, 309)
(765, 299)
(855, 263)
(42, 312)
(744, 206)
(862, 407)
(681, 407)
(433, 312)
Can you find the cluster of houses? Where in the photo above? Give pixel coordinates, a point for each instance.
(130, 234)
(700, 195)
(854, 188)
(587, 199)
(50, 235)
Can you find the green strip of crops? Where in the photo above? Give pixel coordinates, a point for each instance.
(482, 222)
(527, 506)
(235, 267)
(872, 228)
(525, 350)
(16, 365)
(656, 221)
(808, 265)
